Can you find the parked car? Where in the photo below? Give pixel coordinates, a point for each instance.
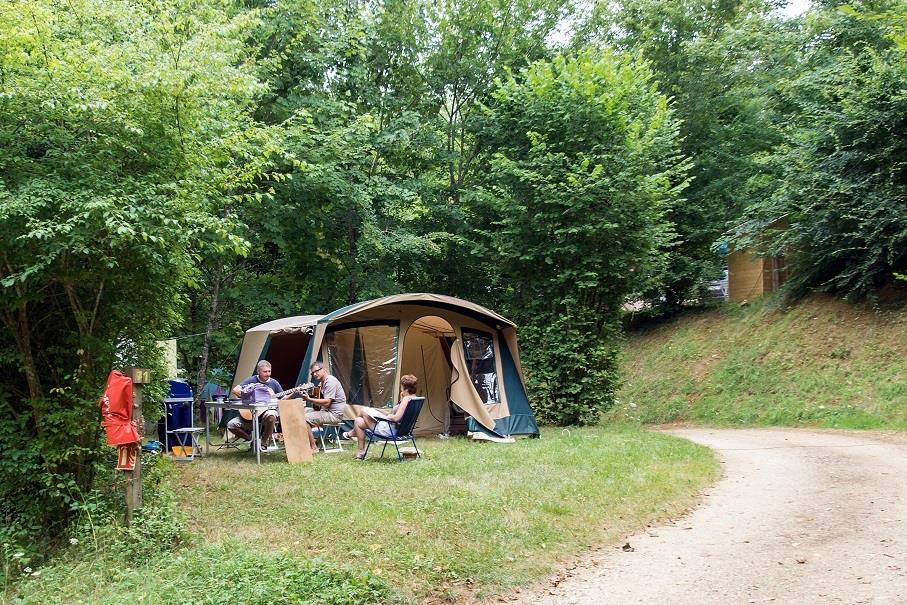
(718, 288)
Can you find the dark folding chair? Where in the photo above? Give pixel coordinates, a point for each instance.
(402, 431)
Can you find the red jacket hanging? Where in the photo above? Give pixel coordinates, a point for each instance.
(116, 410)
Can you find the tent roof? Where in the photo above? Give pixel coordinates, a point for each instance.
(430, 300)
(300, 322)
(287, 324)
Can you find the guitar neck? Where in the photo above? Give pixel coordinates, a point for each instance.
(247, 414)
(297, 389)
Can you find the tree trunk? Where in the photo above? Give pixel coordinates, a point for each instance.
(29, 366)
(352, 290)
(211, 326)
(18, 324)
(16, 320)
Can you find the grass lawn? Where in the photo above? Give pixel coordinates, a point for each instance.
(468, 521)
(476, 516)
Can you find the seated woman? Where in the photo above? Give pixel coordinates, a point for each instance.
(364, 420)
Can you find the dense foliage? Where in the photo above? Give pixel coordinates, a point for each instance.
(703, 56)
(839, 175)
(584, 169)
(123, 126)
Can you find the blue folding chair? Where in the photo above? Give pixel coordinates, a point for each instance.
(402, 431)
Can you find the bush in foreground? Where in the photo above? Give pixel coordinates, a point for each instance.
(222, 575)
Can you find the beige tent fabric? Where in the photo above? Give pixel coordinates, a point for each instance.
(252, 344)
(255, 338)
(462, 392)
(499, 409)
(423, 356)
(287, 324)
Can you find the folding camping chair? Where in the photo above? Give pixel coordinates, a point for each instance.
(328, 435)
(179, 433)
(402, 431)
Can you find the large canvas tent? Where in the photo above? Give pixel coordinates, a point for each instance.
(465, 356)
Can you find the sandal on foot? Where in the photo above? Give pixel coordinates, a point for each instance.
(347, 436)
(360, 456)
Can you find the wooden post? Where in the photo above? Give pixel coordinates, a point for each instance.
(139, 378)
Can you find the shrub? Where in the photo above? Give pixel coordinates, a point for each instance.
(586, 164)
(211, 575)
(158, 526)
(572, 377)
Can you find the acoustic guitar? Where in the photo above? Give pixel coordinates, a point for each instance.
(306, 387)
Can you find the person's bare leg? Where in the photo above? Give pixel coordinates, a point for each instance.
(312, 440)
(362, 422)
(351, 434)
(241, 432)
(267, 429)
(359, 433)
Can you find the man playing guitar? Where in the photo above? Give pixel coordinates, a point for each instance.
(330, 402)
(267, 419)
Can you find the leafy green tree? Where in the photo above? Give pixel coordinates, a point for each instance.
(587, 162)
(717, 62)
(840, 170)
(123, 124)
(344, 92)
(378, 101)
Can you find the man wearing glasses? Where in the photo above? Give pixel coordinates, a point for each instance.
(332, 402)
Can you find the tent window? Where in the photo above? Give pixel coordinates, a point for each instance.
(364, 360)
(479, 350)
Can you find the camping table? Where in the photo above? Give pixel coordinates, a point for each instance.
(235, 404)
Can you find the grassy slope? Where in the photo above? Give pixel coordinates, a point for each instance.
(822, 362)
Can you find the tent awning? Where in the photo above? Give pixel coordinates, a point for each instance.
(287, 324)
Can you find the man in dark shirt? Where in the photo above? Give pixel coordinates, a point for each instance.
(267, 419)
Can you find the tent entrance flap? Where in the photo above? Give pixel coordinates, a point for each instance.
(286, 353)
(478, 347)
(463, 392)
(478, 430)
(426, 355)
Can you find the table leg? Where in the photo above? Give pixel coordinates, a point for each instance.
(256, 438)
(207, 429)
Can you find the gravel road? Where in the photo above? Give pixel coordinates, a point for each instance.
(800, 517)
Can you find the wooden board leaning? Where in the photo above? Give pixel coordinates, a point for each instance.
(295, 430)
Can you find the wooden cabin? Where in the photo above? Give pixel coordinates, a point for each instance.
(751, 276)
